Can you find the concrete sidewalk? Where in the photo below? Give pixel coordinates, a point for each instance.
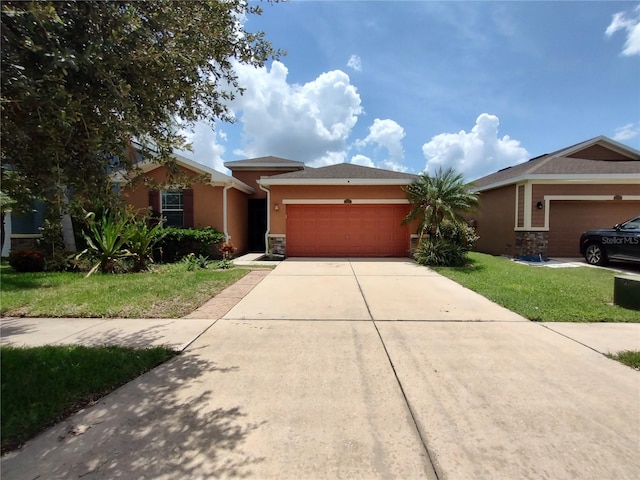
(463, 390)
(176, 333)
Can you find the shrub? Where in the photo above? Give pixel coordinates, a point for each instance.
(177, 243)
(459, 234)
(27, 261)
(440, 252)
(191, 261)
(61, 261)
(450, 248)
(225, 264)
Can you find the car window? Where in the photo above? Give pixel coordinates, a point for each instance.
(633, 224)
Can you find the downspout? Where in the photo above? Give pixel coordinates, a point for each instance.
(225, 204)
(7, 230)
(266, 234)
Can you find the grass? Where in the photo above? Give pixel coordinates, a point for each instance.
(42, 385)
(169, 291)
(543, 294)
(628, 357)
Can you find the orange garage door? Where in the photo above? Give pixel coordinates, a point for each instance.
(569, 219)
(347, 231)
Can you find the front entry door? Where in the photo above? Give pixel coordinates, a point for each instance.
(257, 224)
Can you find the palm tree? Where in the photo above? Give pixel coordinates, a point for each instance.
(434, 199)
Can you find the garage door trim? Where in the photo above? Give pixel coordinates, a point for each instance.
(338, 201)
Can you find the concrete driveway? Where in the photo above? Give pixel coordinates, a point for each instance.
(361, 289)
(312, 376)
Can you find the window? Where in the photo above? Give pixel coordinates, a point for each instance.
(172, 207)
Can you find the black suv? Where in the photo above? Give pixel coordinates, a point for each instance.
(622, 242)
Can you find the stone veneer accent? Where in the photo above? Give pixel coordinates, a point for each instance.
(413, 245)
(277, 245)
(532, 244)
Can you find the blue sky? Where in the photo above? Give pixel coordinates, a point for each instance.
(415, 85)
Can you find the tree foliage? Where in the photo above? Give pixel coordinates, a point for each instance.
(434, 199)
(81, 79)
(439, 202)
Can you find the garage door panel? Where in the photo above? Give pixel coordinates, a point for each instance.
(569, 219)
(347, 230)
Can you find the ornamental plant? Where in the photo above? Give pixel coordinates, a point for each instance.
(227, 249)
(106, 240)
(27, 261)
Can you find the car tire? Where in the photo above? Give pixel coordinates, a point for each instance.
(595, 254)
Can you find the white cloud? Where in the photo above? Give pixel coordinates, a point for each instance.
(627, 132)
(205, 147)
(355, 62)
(362, 160)
(392, 165)
(385, 134)
(475, 153)
(630, 22)
(309, 122)
(330, 158)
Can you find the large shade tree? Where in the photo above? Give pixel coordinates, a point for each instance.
(82, 79)
(437, 198)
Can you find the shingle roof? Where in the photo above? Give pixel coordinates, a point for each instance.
(346, 171)
(265, 162)
(557, 164)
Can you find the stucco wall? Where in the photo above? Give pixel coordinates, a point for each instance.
(207, 199)
(237, 219)
(337, 192)
(495, 221)
(538, 191)
(250, 177)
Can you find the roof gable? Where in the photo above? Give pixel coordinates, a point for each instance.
(599, 148)
(216, 177)
(598, 157)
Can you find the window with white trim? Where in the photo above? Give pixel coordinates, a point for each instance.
(172, 207)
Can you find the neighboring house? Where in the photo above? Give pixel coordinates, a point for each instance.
(541, 207)
(21, 231)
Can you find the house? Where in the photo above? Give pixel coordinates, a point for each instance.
(273, 205)
(541, 207)
(281, 207)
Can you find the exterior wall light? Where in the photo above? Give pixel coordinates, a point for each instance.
(540, 205)
(276, 207)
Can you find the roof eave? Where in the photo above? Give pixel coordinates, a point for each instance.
(216, 178)
(612, 144)
(334, 181)
(564, 178)
(264, 166)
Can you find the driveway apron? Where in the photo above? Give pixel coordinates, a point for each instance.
(359, 369)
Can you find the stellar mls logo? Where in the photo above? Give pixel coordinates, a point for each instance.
(621, 240)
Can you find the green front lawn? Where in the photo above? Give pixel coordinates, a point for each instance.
(543, 294)
(169, 291)
(42, 385)
(628, 357)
